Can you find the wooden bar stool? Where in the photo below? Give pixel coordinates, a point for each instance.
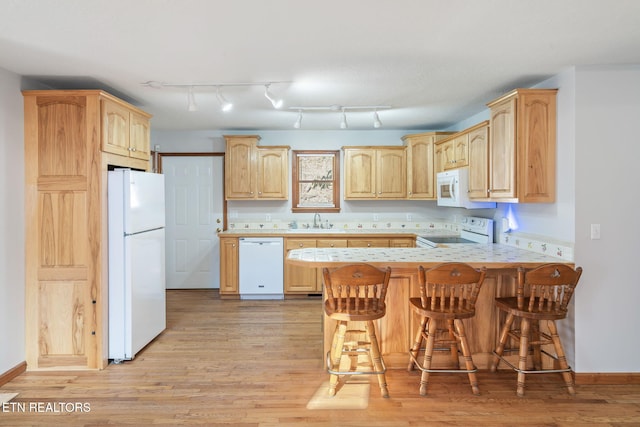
(355, 293)
(448, 293)
(543, 294)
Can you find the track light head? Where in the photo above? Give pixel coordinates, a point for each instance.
(376, 120)
(343, 122)
(224, 104)
(298, 122)
(192, 100)
(277, 103)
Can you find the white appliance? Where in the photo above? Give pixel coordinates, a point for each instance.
(261, 268)
(137, 308)
(474, 230)
(453, 190)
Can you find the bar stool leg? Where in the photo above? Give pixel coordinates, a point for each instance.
(537, 351)
(376, 358)
(336, 354)
(466, 352)
(562, 359)
(417, 344)
(504, 336)
(453, 347)
(524, 349)
(431, 336)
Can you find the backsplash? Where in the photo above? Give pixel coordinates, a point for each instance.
(535, 243)
(538, 244)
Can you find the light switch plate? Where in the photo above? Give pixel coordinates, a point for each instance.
(595, 231)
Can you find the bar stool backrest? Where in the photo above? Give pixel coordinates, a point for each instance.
(450, 287)
(547, 289)
(356, 289)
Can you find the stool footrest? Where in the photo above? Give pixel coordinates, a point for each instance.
(334, 372)
(527, 371)
(453, 371)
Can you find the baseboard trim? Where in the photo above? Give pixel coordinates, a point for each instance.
(607, 378)
(12, 373)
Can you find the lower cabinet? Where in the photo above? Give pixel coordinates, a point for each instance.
(298, 280)
(229, 261)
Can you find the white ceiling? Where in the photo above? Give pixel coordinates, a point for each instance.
(435, 62)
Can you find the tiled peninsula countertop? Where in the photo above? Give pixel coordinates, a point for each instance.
(336, 233)
(492, 256)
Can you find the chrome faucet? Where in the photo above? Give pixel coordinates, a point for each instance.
(317, 222)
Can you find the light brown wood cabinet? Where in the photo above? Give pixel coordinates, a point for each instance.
(66, 254)
(421, 165)
(522, 146)
(253, 172)
(454, 151)
(375, 173)
(299, 279)
(125, 132)
(229, 263)
(479, 160)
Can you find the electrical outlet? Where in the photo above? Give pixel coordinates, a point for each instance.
(233, 214)
(267, 217)
(595, 231)
(409, 217)
(376, 217)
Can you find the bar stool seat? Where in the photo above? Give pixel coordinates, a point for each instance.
(448, 294)
(542, 294)
(355, 293)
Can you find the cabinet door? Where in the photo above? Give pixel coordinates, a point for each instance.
(115, 128)
(536, 130)
(420, 176)
(479, 163)
(240, 170)
(229, 266)
(273, 173)
(438, 159)
(502, 150)
(140, 138)
(407, 242)
(359, 173)
(391, 173)
(461, 150)
(299, 279)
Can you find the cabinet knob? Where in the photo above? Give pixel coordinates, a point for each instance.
(368, 245)
(218, 230)
(332, 245)
(134, 149)
(218, 220)
(301, 244)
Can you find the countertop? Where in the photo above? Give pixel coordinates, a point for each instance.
(492, 256)
(337, 233)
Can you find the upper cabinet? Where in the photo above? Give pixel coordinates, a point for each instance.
(453, 151)
(125, 132)
(375, 173)
(522, 146)
(72, 138)
(478, 137)
(421, 168)
(253, 172)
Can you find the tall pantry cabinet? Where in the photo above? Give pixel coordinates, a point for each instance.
(72, 138)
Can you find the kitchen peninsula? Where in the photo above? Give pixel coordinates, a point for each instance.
(396, 329)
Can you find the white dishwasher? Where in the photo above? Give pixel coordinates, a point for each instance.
(261, 268)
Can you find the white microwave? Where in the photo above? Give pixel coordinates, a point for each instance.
(453, 190)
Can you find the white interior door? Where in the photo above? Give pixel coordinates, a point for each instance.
(194, 198)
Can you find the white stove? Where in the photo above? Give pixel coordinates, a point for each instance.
(474, 230)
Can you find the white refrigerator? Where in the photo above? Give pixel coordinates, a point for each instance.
(137, 298)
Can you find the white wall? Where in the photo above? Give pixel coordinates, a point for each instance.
(607, 114)
(12, 322)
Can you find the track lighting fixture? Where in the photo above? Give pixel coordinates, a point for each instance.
(377, 123)
(298, 122)
(277, 103)
(192, 100)
(224, 104)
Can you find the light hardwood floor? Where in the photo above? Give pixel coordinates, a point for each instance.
(257, 363)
